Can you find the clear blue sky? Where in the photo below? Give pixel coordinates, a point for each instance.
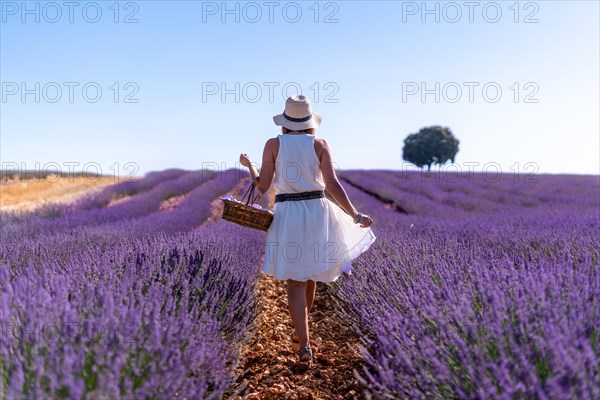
(363, 67)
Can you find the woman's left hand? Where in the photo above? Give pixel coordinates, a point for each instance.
(245, 160)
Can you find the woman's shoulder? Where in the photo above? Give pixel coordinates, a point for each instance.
(272, 144)
(321, 143)
(321, 147)
(273, 141)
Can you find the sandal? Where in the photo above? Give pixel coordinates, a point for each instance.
(305, 354)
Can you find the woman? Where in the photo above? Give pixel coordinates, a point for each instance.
(311, 239)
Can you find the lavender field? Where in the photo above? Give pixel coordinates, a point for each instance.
(476, 288)
(126, 300)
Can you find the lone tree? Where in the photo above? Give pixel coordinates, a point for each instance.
(431, 145)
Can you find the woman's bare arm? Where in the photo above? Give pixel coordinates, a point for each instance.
(332, 184)
(267, 169)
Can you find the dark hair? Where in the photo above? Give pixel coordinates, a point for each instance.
(286, 130)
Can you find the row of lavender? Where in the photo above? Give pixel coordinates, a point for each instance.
(126, 300)
(438, 193)
(500, 301)
(139, 213)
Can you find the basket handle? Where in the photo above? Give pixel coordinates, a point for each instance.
(252, 198)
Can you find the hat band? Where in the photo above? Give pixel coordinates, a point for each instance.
(304, 119)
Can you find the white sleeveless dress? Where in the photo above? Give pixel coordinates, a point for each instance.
(308, 239)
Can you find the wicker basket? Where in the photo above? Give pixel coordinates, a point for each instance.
(244, 214)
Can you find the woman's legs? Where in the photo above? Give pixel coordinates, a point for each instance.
(297, 301)
(311, 287)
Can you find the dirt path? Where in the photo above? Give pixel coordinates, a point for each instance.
(269, 367)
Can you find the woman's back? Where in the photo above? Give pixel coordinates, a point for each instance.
(297, 167)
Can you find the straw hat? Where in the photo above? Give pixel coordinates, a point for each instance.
(298, 114)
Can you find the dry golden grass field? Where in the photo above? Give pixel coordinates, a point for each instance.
(26, 194)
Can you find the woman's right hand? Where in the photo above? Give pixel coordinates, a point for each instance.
(365, 221)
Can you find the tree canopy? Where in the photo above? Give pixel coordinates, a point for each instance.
(431, 145)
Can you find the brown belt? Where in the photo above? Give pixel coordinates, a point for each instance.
(299, 196)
